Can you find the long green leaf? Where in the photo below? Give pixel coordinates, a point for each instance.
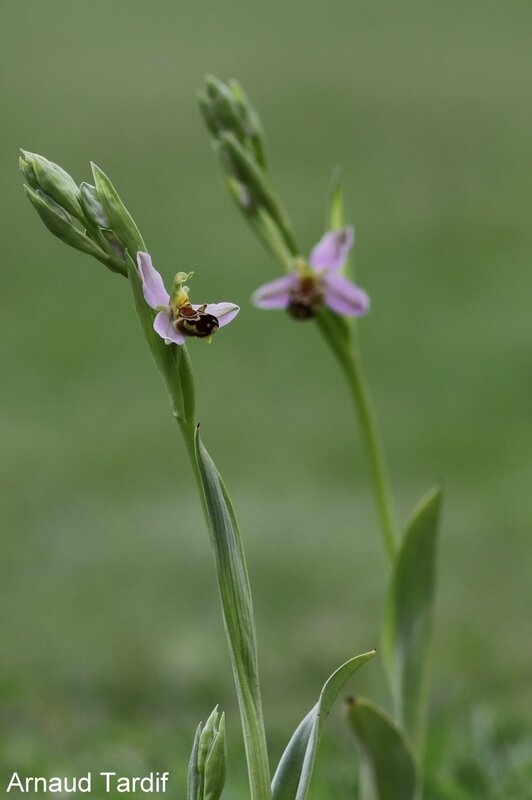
(388, 770)
(292, 777)
(235, 595)
(406, 627)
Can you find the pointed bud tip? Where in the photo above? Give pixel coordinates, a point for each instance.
(211, 80)
(95, 169)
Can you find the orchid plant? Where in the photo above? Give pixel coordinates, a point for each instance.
(93, 219)
(391, 748)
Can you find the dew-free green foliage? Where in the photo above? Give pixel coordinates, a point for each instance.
(207, 766)
(388, 769)
(237, 606)
(294, 772)
(407, 621)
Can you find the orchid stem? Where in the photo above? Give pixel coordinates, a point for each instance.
(378, 468)
(341, 339)
(250, 706)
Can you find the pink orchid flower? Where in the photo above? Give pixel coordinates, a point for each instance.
(319, 283)
(178, 318)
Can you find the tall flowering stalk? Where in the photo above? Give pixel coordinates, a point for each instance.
(94, 220)
(313, 288)
(317, 288)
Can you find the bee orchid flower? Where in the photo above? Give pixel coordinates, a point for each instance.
(178, 318)
(317, 283)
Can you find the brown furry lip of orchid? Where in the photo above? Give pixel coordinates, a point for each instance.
(178, 318)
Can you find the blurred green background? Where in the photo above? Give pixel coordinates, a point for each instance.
(112, 643)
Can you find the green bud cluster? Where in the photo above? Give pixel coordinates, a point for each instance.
(75, 214)
(225, 107)
(207, 766)
(239, 143)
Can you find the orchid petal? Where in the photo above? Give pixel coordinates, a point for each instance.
(276, 294)
(345, 297)
(332, 249)
(152, 284)
(224, 312)
(162, 324)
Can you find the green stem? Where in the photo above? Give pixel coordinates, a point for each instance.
(378, 469)
(249, 697)
(340, 338)
(176, 370)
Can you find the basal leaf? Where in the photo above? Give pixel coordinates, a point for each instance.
(406, 627)
(292, 777)
(388, 769)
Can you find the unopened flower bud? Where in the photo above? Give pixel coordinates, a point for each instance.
(223, 110)
(195, 780)
(26, 167)
(207, 765)
(226, 108)
(92, 206)
(206, 738)
(249, 120)
(208, 113)
(53, 180)
(60, 223)
(97, 218)
(255, 188)
(215, 765)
